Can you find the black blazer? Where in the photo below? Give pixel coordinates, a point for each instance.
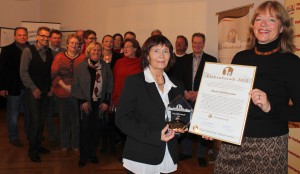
(10, 59)
(184, 72)
(141, 116)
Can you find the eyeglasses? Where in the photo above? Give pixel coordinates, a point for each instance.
(118, 39)
(44, 36)
(92, 38)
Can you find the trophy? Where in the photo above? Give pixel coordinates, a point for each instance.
(179, 113)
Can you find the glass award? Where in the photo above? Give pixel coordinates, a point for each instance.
(179, 113)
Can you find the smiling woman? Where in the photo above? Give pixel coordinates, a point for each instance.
(92, 87)
(151, 146)
(265, 141)
(62, 72)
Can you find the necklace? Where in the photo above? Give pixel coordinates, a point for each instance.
(107, 59)
(72, 56)
(160, 84)
(158, 79)
(266, 53)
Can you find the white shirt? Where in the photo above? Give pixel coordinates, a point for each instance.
(167, 165)
(196, 62)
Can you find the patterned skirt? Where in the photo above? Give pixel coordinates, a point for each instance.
(254, 156)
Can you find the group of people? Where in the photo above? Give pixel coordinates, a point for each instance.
(119, 83)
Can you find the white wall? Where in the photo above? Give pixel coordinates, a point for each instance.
(216, 6)
(12, 12)
(173, 17)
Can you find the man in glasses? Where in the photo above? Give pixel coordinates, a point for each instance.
(35, 72)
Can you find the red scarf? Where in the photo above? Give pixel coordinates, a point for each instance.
(122, 69)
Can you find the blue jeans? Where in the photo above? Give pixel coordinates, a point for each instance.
(15, 104)
(69, 122)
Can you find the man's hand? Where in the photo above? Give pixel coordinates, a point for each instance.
(36, 93)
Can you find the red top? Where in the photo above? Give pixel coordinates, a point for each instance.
(63, 69)
(122, 69)
(83, 48)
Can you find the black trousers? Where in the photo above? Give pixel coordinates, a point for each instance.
(89, 131)
(38, 110)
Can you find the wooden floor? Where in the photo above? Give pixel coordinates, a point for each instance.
(14, 160)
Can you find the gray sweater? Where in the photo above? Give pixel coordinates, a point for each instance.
(81, 84)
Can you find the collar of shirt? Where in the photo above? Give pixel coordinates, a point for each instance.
(53, 48)
(179, 55)
(40, 48)
(21, 47)
(200, 56)
(150, 79)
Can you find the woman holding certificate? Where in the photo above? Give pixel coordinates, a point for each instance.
(264, 148)
(150, 145)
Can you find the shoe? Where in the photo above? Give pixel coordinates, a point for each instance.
(103, 150)
(53, 143)
(76, 151)
(202, 162)
(112, 151)
(35, 157)
(184, 157)
(16, 142)
(82, 162)
(94, 160)
(64, 152)
(43, 150)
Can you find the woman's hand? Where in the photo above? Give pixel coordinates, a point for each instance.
(187, 95)
(260, 99)
(207, 137)
(85, 107)
(180, 130)
(103, 107)
(167, 134)
(68, 88)
(64, 86)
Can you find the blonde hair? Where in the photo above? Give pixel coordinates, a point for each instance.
(287, 34)
(70, 36)
(90, 47)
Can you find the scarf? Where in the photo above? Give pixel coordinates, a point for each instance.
(98, 80)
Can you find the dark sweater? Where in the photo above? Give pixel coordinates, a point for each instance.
(278, 75)
(40, 72)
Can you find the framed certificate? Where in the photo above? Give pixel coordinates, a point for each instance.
(223, 100)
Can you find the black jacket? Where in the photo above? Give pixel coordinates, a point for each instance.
(10, 59)
(184, 71)
(141, 116)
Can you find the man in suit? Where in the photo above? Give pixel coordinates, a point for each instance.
(190, 72)
(35, 72)
(11, 85)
